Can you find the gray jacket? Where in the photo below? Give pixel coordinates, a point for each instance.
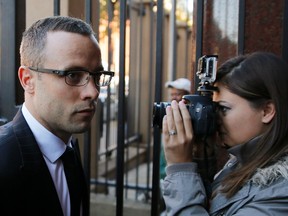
(266, 193)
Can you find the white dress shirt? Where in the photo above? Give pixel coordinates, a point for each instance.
(52, 148)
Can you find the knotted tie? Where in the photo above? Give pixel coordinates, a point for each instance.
(73, 177)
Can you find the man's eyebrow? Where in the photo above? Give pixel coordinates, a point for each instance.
(100, 68)
(97, 69)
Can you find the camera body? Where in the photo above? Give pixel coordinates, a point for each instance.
(201, 107)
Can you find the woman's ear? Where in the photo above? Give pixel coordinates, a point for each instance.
(26, 79)
(268, 112)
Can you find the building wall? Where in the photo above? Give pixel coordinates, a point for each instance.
(36, 9)
(264, 26)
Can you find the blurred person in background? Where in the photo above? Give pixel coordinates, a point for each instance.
(178, 88)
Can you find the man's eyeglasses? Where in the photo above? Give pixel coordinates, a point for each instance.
(80, 77)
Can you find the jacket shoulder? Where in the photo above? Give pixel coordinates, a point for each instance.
(9, 150)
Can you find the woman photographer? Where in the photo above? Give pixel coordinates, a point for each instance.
(252, 100)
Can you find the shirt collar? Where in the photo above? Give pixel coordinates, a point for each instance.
(51, 146)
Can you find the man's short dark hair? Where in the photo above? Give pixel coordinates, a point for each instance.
(35, 37)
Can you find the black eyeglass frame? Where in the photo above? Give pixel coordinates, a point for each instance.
(64, 73)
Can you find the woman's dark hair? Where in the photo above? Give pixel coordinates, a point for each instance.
(259, 77)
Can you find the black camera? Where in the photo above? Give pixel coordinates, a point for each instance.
(201, 107)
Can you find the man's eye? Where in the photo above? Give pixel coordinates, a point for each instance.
(97, 79)
(74, 76)
(97, 76)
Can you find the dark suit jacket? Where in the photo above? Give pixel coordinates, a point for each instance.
(26, 187)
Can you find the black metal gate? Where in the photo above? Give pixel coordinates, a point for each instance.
(146, 42)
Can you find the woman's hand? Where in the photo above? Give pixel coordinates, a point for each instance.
(178, 134)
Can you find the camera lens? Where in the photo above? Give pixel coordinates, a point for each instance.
(159, 111)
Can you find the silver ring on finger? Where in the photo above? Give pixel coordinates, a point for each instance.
(172, 132)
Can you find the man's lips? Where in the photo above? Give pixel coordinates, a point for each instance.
(87, 111)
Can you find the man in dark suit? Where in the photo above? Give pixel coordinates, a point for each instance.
(61, 73)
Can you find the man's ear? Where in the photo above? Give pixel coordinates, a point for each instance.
(26, 79)
(268, 112)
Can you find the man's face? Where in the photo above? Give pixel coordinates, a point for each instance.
(61, 108)
(176, 94)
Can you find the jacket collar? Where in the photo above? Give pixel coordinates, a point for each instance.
(35, 176)
(30, 152)
(262, 178)
(267, 175)
(244, 151)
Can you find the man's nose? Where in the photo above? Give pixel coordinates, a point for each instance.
(92, 90)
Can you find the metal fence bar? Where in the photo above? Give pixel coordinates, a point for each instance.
(151, 73)
(199, 37)
(87, 135)
(121, 110)
(157, 135)
(172, 42)
(108, 99)
(56, 7)
(88, 11)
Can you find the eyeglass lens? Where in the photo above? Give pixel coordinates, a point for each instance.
(80, 78)
(103, 80)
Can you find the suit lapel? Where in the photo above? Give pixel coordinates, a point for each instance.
(38, 186)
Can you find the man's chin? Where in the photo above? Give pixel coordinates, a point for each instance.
(81, 128)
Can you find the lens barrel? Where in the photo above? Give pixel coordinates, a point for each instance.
(202, 111)
(159, 111)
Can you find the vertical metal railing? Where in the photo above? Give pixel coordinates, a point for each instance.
(199, 37)
(121, 110)
(172, 42)
(285, 32)
(56, 8)
(151, 74)
(87, 135)
(158, 97)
